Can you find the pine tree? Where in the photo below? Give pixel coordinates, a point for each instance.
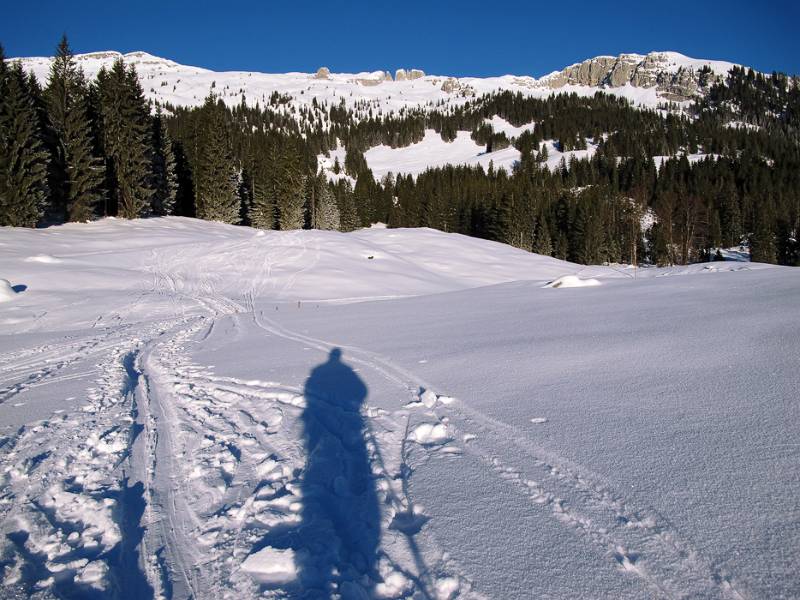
(164, 178)
(216, 176)
(23, 159)
(543, 243)
(323, 207)
(291, 192)
(762, 241)
(76, 175)
(262, 211)
(126, 140)
(348, 216)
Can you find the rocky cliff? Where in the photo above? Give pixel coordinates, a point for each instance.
(674, 76)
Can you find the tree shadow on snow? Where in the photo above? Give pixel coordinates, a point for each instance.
(340, 519)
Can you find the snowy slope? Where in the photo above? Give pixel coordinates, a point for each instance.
(176, 420)
(167, 81)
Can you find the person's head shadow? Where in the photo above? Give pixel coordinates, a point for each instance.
(340, 518)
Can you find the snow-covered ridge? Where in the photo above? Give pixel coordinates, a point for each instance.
(644, 79)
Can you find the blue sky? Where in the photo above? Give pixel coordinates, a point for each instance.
(477, 38)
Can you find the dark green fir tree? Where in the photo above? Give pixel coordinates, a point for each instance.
(76, 175)
(164, 178)
(23, 159)
(216, 176)
(125, 126)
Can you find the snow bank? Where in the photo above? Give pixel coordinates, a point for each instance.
(572, 281)
(430, 433)
(43, 258)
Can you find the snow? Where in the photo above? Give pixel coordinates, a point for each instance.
(500, 125)
(433, 152)
(572, 281)
(190, 409)
(430, 433)
(181, 85)
(7, 291)
(271, 566)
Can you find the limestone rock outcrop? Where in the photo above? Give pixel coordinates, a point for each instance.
(673, 81)
(404, 75)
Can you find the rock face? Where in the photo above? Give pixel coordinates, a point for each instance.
(323, 73)
(403, 75)
(450, 85)
(675, 77)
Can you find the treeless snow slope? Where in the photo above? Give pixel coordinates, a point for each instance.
(431, 422)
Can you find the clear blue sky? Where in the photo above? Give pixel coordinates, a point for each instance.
(450, 38)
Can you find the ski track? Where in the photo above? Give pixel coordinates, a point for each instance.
(217, 462)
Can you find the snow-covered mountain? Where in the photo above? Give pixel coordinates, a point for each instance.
(645, 79)
(196, 410)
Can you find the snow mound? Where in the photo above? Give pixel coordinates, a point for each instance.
(43, 258)
(271, 566)
(430, 433)
(572, 281)
(7, 291)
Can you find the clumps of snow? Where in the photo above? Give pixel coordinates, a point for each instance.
(429, 399)
(44, 258)
(92, 519)
(447, 588)
(572, 281)
(394, 585)
(271, 566)
(539, 420)
(93, 575)
(430, 434)
(7, 291)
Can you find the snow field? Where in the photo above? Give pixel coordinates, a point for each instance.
(222, 412)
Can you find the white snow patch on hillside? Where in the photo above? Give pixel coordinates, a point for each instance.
(433, 152)
(500, 125)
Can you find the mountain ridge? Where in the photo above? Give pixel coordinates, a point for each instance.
(646, 79)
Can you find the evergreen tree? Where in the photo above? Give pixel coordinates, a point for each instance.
(23, 159)
(216, 176)
(262, 213)
(76, 175)
(126, 140)
(543, 242)
(348, 216)
(762, 241)
(164, 177)
(323, 207)
(291, 192)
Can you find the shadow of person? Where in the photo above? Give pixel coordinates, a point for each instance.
(340, 518)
